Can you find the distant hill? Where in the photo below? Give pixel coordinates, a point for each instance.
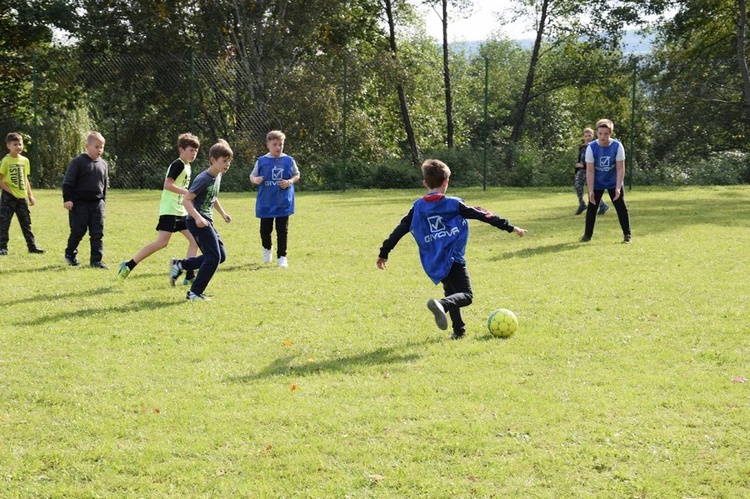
(633, 43)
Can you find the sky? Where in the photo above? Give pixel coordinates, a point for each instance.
(477, 27)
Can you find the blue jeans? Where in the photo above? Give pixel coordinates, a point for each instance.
(212, 254)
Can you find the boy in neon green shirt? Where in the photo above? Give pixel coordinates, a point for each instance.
(171, 211)
(16, 195)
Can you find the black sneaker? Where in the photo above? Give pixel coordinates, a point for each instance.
(72, 260)
(98, 265)
(603, 209)
(626, 239)
(36, 250)
(3, 251)
(439, 312)
(584, 239)
(581, 209)
(457, 335)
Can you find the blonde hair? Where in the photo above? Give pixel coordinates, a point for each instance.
(605, 123)
(434, 173)
(275, 135)
(590, 130)
(94, 137)
(220, 150)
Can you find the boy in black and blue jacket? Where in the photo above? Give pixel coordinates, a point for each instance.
(439, 226)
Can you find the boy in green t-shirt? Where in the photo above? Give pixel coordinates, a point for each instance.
(171, 211)
(16, 193)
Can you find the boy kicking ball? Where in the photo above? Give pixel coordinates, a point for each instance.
(438, 224)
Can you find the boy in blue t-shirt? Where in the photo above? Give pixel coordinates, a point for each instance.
(439, 226)
(275, 174)
(200, 201)
(605, 170)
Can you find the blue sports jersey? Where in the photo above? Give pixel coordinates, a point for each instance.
(439, 230)
(272, 201)
(605, 164)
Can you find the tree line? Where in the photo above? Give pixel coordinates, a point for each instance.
(364, 94)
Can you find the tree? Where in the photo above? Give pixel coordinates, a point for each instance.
(558, 22)
(388, 4)
(463, 6)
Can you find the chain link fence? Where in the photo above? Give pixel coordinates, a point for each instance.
(341, 116)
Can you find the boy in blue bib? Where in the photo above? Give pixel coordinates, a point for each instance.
(275, 174)
(439, 226)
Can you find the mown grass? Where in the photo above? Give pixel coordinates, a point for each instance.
(330, 379)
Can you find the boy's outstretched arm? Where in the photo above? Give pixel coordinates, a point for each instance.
(400, 231)
(477, 213)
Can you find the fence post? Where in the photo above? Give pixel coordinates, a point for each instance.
(35, 175)
(631, 153)
(192, 92)
(486, 99)
(343, 126)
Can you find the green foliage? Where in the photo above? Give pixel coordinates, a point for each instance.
(330, 379)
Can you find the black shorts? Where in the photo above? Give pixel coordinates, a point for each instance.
(171, 223)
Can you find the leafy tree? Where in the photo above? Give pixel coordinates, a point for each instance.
(700, 83)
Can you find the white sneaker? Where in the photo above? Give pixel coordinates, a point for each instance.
(267, 255)
(283, 263)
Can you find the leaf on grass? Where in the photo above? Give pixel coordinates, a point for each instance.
(472, 478)
(739, 379)
(221, 473)
(375, 477)
(156, 411)
(293, 387)
(268, 449)
(287, 343)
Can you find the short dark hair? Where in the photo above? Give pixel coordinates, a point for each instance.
(188, 140)
(13, 137)
(220, 150)
(434, 173)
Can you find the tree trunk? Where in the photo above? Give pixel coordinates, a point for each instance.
(447, 80)
(523, 103)
(741, 33)
(400, 88)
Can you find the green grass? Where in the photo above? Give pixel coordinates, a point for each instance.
(330, 379)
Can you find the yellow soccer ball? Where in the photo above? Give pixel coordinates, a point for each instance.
(502, 323)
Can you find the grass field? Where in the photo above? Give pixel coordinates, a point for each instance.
(330, 379)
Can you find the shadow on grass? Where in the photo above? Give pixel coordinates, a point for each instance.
(41, 298)
(285, 365)
(46, 268)
(138, 306)
(539, 250)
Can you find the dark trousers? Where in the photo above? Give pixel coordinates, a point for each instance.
(212, 254)
(620, 206)
(87, 215)
(282, 228)
(457, 287)
(9, 206)
(578, 183)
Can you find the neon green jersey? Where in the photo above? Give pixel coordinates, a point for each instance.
(15, 172)
(171, 203)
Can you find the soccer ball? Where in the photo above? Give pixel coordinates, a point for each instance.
(502, 323)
